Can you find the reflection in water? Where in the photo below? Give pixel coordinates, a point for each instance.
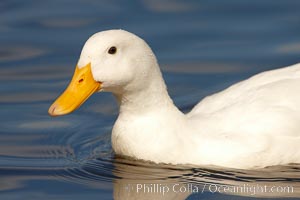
(44, 124)
(14, 53)
(289, 48)
(35, 73)
(133, 179)
(26, 97)
(168, 6)
(137, 180)
(65, 23)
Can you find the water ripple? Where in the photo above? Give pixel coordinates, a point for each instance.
(14, 53)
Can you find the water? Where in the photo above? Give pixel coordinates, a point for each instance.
(202, 46)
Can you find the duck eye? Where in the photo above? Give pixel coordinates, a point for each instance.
(112, 50)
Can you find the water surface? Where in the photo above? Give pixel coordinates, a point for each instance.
(202, 47)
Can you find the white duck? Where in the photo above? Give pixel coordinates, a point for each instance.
(254, 123)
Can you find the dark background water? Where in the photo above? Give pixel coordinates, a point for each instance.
(202, 47)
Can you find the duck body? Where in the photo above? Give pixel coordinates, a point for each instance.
(254, 123)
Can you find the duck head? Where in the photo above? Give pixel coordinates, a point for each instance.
(115, 61)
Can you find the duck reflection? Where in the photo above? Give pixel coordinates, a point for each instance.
(141, 180)
(138, 180)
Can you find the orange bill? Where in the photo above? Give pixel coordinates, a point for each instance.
(81, 87)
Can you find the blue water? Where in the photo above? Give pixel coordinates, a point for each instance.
(202, 47)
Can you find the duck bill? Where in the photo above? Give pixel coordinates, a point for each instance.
(81, 87)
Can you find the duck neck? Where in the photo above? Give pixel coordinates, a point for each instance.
(151, 97)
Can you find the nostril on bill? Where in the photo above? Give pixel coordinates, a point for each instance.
(80, 80)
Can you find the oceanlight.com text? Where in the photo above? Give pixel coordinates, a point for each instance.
(246, 189)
